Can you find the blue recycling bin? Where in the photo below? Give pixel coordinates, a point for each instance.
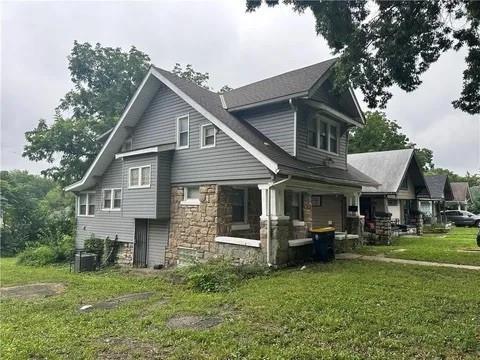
(323, 239)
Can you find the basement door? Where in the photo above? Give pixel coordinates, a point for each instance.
(141, 243)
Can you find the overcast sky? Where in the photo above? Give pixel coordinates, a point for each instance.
(216, 37)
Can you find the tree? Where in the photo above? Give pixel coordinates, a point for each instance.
(104, 80)
(188, 73)
(385, 43)
(225, 88)
(471, 179)
(381, 134)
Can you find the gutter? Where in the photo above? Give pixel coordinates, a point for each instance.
(269, 216)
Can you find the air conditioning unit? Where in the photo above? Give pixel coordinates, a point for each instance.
(85, 262)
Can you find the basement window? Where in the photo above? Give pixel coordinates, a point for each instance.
(191, 195)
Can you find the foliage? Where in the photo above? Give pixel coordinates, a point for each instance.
(381, 134)
(188, 73)
(440, 248)
(95, 245)
(362, 310)
(48, 253)
(104, 80)
(225, 88)
(475, 203)
(386, 43)
(218, 275)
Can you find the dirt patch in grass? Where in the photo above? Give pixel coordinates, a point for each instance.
(116, 302)
(193, 322)
(126, 349)
(31, 291)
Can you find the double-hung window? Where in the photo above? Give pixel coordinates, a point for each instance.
(239, 206)
(208, 134)
(112, 199)
(294, 205)
(323, 134)
(139, 177)
(86, 204)
(183, 132)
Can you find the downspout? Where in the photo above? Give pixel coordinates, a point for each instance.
(269, 217)
(294, 108)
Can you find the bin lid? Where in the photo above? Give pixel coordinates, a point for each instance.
(323, 229)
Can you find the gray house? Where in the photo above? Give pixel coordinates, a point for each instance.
(434, 203)
(402, 184)
(188, 174)
(461, 196)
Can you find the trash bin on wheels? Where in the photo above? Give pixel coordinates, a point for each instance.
(323, 239)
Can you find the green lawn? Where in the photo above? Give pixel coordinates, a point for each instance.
(446, 248)
(343, 310)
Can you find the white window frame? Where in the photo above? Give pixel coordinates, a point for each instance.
(242, 225)
(187, 116)
(186, 199)
(328, 122)
(87, 204)
(138, 186)
(112, 198)
(202, 136)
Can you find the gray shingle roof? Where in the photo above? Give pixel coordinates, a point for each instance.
(436, 185)
(385, 167)
(298, 81)
(288, 165)
(460, 191)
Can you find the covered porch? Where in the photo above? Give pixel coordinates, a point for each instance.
(271, 222)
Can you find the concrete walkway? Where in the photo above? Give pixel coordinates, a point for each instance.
(350, 256)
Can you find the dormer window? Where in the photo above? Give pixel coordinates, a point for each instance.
(323, 134)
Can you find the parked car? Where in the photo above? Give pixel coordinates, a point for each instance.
(462, 217)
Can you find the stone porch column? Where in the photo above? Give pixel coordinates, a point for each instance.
(273, 211)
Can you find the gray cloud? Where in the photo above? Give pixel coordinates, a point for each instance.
(215, 36)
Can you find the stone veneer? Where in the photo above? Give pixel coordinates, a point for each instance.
(193, 228)
(383, 229)
(125, 254)
(417, 220)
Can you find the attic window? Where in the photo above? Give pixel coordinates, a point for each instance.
(183, 132)
(127, 145)
(404, 184)
(323, 134)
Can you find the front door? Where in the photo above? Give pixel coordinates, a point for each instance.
(140, 249)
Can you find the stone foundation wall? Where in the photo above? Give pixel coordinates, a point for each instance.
(125, 254)
(241, 254)
(383, 229)
(417, 220)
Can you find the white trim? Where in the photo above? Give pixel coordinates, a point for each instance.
(112, 199)
(295, 133)
(332, 112)
(112, 134)
(357, 105)
(299, 242)
(139, 186)
(190, 202)
(137, 152)
(222, 99)
(329, 123)
(237, 241)
(236, 227)
(202, 136)
(270, 164)
(188, 131)
(298, 222)
(87, 204)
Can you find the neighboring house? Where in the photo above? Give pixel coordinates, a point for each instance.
(188, 174)
(461, 196)
(440, 191)
(401, 182)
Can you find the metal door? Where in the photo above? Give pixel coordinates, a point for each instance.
(141, 239)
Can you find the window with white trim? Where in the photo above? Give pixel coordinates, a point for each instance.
(191, 193)
(239, 206)
(112, 199)
(183, 132)
(86, 204)
(323, 134)
(208, 136)
(139, 177)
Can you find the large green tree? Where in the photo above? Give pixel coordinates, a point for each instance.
(385, 43)
(381, 134)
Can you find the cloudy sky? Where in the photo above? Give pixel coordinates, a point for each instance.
(216, 37)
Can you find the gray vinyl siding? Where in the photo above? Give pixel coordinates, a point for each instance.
(332, 209)
(140, 203)
(313, 155)
(105, 223)
(157, 242)
(163, 185)
(226, 161)
(343, 103)
(276, 122)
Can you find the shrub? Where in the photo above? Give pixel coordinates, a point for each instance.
(218, 275)
(38, 256)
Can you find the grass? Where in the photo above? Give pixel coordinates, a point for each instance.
(342, 310)
(445, 248)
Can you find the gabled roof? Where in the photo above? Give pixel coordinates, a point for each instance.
(439, 187)
(461, 191)
(294, 83)
(209, 104)
(387, 168)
